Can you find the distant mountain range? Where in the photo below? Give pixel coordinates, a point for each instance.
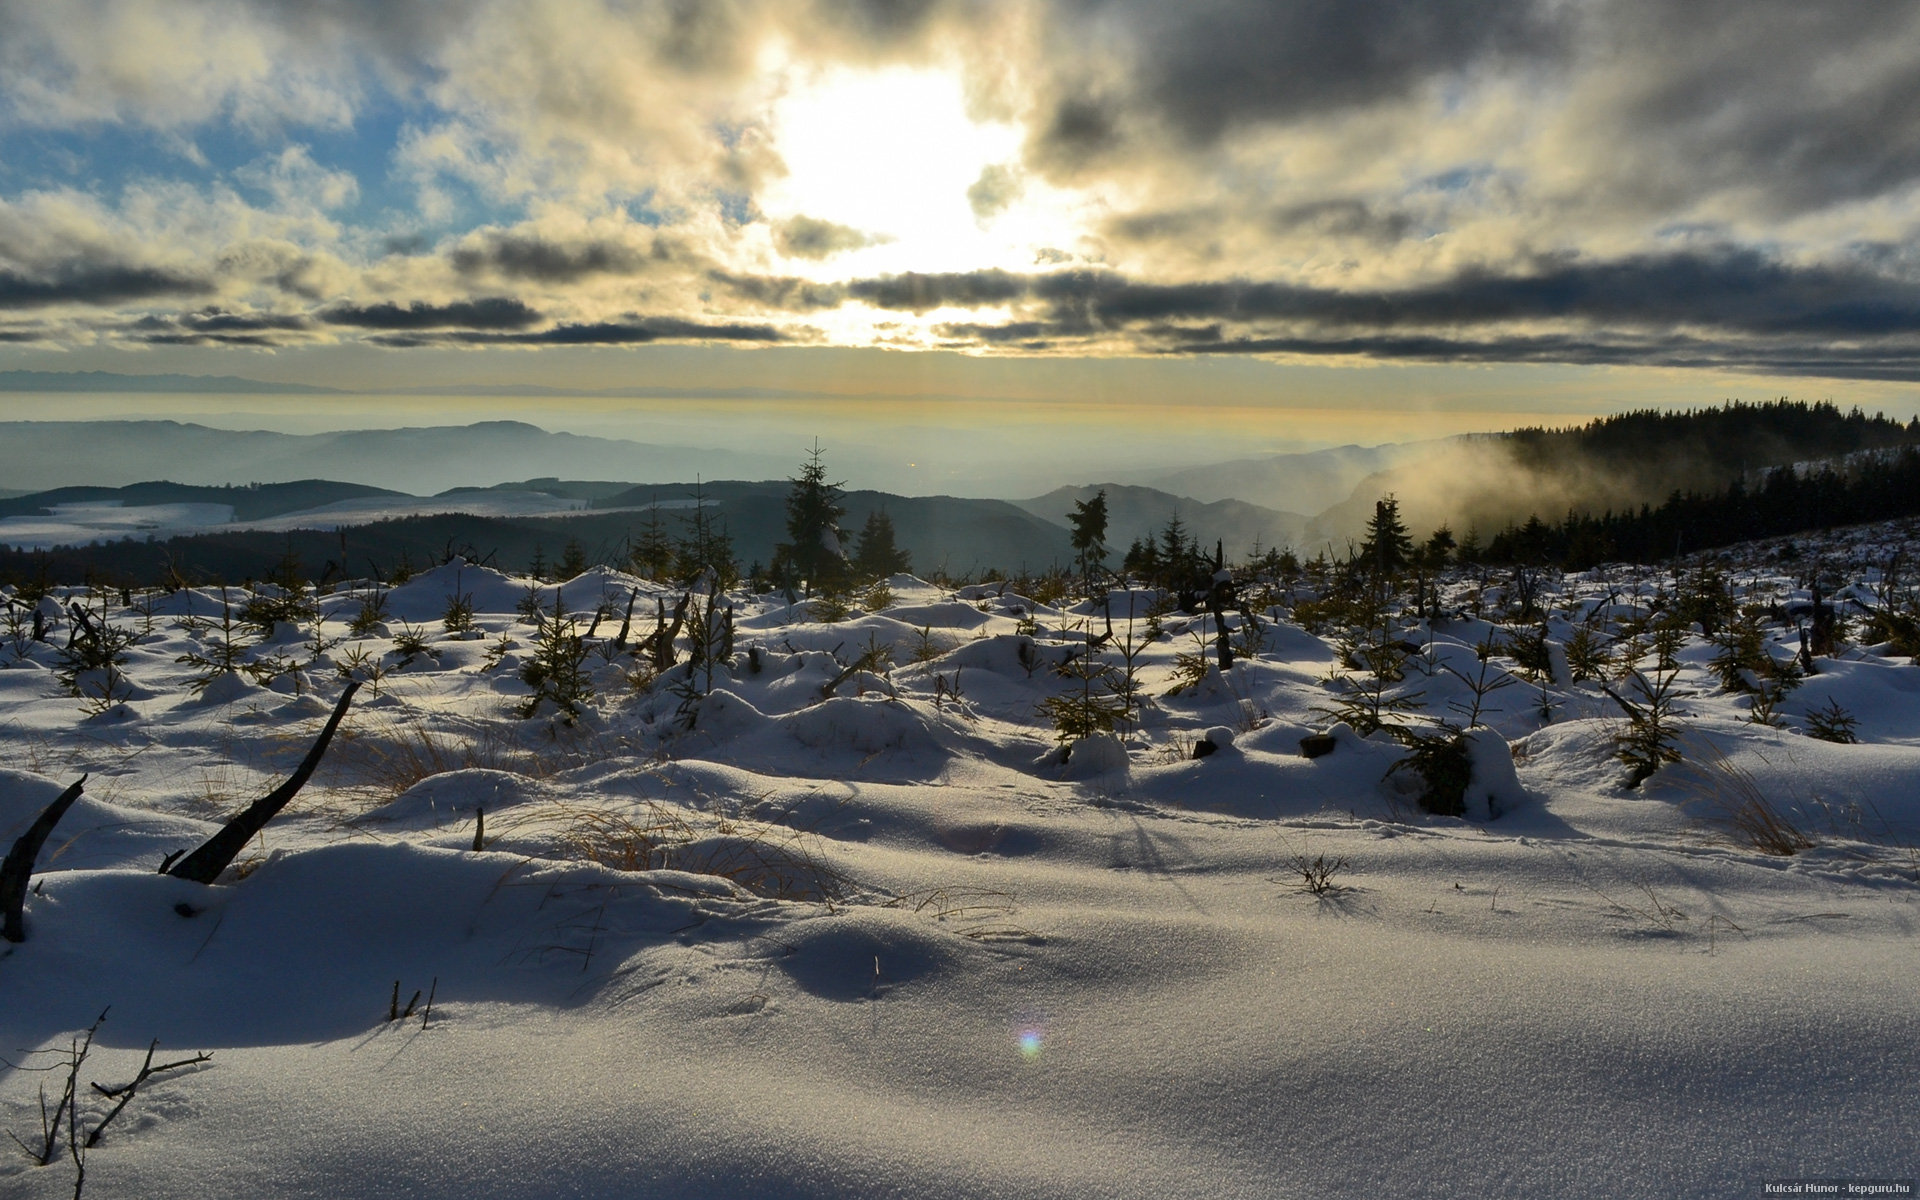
(326, 494)
(424, 460)
(109, 381)
(148, 531)
(113, 381)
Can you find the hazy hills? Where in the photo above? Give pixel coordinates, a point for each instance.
(1141, 512)
(423, 460)
(150, 530)
(582, 488)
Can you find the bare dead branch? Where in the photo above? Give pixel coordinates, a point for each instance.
(18, 867)
(218, 852)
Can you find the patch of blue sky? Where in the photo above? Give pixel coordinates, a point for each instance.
(1460, 179)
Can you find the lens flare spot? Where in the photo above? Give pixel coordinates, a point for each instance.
(1029, 1041)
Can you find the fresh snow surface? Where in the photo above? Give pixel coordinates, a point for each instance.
(887, 943)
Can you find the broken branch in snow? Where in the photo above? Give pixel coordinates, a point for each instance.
(18, 867)
(125, 1092)
(218, 852)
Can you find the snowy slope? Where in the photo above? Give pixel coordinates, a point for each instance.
(890, 941)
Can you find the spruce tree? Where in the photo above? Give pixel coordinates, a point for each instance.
(705, 544)
(813, 522)
(1388, 549)
(1089, 521)
(875, 555)
(653, 554)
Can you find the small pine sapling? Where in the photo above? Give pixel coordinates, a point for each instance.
(1588, 659)
(458, 617)
(373, 611)
(556, 670)
(410, 642)
(224, 652)
(1483, 682)
(1651, 738)
(1832, 723)
(1093, 705)
(1445, 767)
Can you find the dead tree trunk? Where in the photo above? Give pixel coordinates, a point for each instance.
(18, 867)
(659, 645)
(217, 852)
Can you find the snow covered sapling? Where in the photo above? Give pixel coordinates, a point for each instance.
(1444, 764)
(360, 664)
(224, 652)
(832, 605)
(556, 671)
(1483, 682)
(1528, 649)
(1832, 723)
(89, 664)
(410, 642)
(1587, 656)
(1094, 704)
(285, 596)
(458, 617)
(1375, 660)
(709, 647)
(926, 647)
(373, 611)
(1651, 738)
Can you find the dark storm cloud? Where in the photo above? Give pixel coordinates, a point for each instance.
(1205, 68)
(1817, 359)
(1738, 291)
(807, 237)
(525, 256)
(784, 292)
(85, 283)
(216, 320)
(638, 331)
(1342, 218)
(488, 312)
(997, 187)
(1807, 105)
(996, 335)
(916, 292)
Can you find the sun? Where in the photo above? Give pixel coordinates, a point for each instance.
(894, 154)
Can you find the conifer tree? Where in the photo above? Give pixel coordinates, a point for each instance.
(1089, 521)
(1388, 549)
(705, 544)
(813, 522)
(653, 554)
(875, 555)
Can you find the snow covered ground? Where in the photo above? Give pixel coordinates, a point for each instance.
(740, 937)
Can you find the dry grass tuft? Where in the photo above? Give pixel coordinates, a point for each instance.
(773, 861)
(1738, 806)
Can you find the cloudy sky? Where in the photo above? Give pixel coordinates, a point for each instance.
(1618, 197)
